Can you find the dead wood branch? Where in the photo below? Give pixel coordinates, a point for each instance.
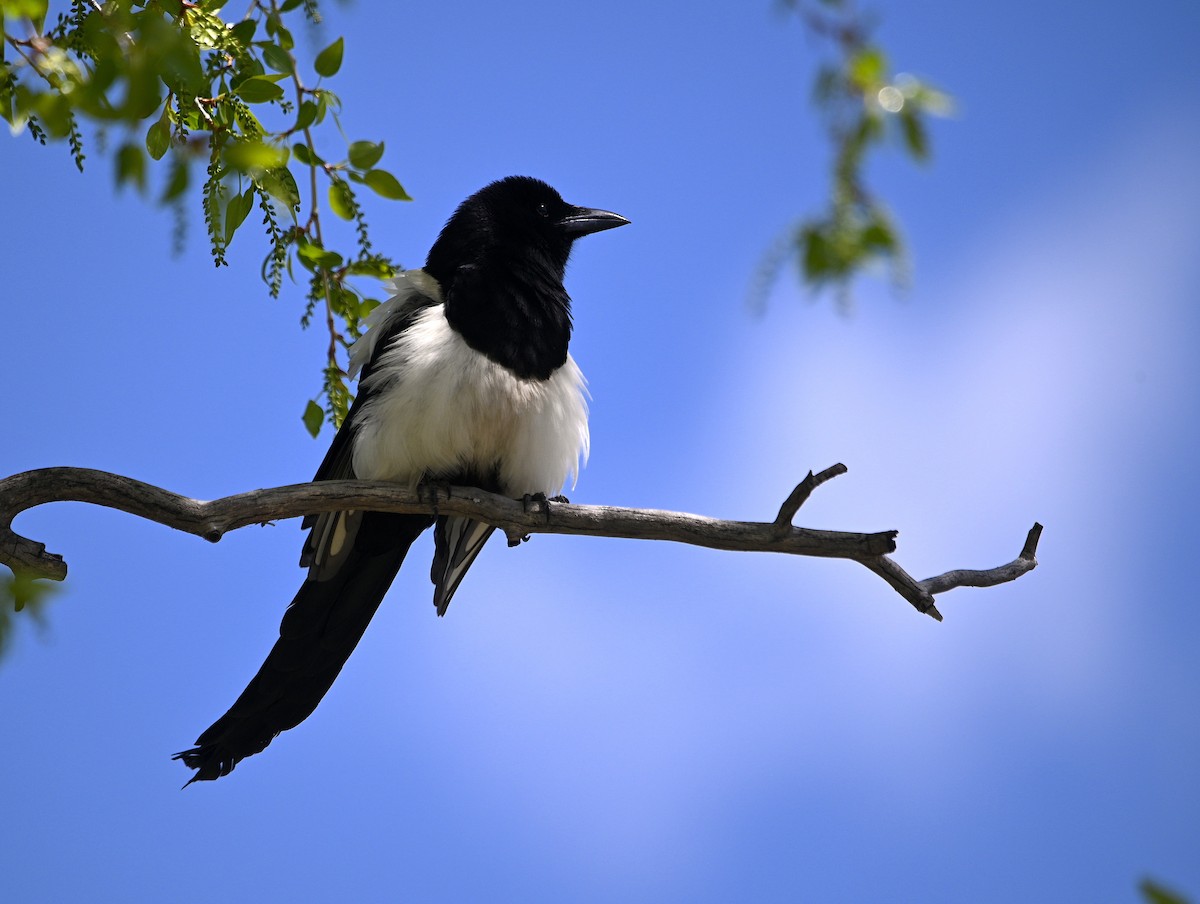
(212, 520)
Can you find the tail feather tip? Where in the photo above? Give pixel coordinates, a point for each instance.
(208, 762)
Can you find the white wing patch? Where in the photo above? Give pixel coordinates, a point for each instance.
(405, 288)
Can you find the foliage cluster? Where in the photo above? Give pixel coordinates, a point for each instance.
(229, 98)
(864, 106)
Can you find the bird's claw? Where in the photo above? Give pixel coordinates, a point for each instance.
(541, 500)
(431, 486)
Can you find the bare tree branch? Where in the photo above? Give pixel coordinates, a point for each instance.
(212, 520)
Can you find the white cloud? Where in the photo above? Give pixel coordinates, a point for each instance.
(1022, 391)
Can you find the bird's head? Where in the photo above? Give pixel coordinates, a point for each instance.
(520, 218)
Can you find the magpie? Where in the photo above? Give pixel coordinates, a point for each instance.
(463, 378)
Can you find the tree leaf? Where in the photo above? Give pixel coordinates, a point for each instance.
(329, 60)
(878, 237)
(254, 156)
(279, 32)
(384, 183)
(131, 166)
(34, 10)
(181, 69)
(365, 154)
(307, 116)
(371, 266)
(280, 184)
(915, 137)
(278, 58)
(236, 211)
(341, 200)
(177, 181)
(319, 257)
(304, 155)
(158, 138)
(243, 32)
(867, 67)
(314, 417)
(1154, 893)
(817, 258)
(258, 89)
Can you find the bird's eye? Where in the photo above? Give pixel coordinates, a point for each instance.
(543, 209)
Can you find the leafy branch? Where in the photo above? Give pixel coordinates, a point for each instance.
(205, 85)
(863, 105)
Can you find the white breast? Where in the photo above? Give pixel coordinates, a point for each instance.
(439, 407)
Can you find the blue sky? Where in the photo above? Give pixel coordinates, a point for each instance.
(602, 720)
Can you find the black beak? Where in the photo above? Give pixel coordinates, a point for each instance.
(584, 221)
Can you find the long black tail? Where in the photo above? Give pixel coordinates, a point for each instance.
(320, 630)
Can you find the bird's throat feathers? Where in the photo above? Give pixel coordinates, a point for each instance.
(518, 315)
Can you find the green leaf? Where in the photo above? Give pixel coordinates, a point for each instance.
(24, 592)
(818, 256)
(243, 32)
(365, 154)
(344, 301)
(341, 200)
(34, 10)
(251, 125)
(158, 138)
(879, 238)
(915, 138)
(371, 266)
(177, 181)
(281, 184)
(319, 257)
(276, 29)
(1154, 893)
(54, 111)
(304, 155)
(131, 166)
(867, 67)
(307, 115)
(384, 183)
(258, 89)
(254, 156)
(235, 212)
(329, 60)
(314, 417)
(278, 58)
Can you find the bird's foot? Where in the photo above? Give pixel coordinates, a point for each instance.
(536, 502)
(428, 489)
(542, 502)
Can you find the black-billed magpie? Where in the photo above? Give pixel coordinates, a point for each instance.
(464, 378)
